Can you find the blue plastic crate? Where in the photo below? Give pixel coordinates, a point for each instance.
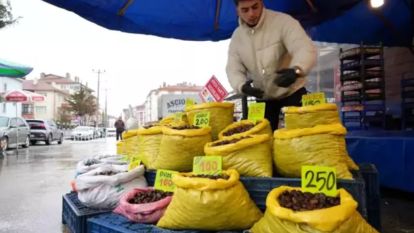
(75, 214)
(114, 223)
(373, 197)
(259, 187)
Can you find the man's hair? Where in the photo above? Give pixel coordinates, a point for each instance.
(236, 2)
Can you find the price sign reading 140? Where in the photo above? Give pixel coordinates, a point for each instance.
(209, 165)
(318, 179)
(163, 180)
(313, 99)
(202, 119)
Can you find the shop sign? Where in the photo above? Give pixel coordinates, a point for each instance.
(213, 91)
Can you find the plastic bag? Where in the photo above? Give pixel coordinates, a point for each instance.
(310, 116)
(206, 204)
(89, 164)
(261, 127)
(142, 213)
(179, 147)
(343, 218)
(322, 145)
(149, 141)
(221, 115)
(102, 191)
(249, 156)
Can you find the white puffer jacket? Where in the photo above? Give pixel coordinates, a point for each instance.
(277, 41)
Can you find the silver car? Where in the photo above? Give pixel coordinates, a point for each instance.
(14, 132)
(44, 130)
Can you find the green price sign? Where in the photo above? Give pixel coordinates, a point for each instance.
(256, 111)
(189, 102)
(163, 180)
(178, 116)
(202, 119)
(313, 99)
(134, 163)
(318, 179)
(209, 165)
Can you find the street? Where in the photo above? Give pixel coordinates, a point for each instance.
(33, 181)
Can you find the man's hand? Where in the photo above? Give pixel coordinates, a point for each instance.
(252, 91)
(286, 77)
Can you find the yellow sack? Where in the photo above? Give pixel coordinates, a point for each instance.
(310, 116)
(131, 146)
(343, 218)
(221, 115)
(322, 145)
(261, 127)
(172, 120)
(120, 148)
(149, 140)
(179, 147)
(129, 133)
(206, 204)
(250, 156)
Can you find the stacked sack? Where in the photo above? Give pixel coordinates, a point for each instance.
(129, 138)
(313, 136)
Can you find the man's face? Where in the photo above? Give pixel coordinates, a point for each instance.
(250, 11)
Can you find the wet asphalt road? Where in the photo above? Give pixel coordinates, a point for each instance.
(33, 181)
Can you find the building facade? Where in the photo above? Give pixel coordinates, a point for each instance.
(7, 84)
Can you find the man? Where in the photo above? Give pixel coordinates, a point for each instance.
(120, 127)
(268, 58)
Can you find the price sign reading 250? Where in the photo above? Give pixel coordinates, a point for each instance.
(209, 165)
(319, 179)
(202, 119)
(163, 180)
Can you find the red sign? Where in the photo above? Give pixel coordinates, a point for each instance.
(213, 91)
(16, 96)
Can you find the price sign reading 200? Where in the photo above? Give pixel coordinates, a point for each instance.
(319, 179)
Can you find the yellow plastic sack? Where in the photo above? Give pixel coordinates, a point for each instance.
(129, 133)
(206, 204)
(131, 146)
(322, 145)
(221, 115)
(120, 148)
(343, 218)
(249, 156)
(172, 120)
(261, 127)
(310, 116)
(149, 141)
(179, 147)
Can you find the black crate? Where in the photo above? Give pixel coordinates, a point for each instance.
(370, 174)
(75, 214)
(114, 223)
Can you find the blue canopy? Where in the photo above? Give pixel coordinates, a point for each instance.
(340, 21)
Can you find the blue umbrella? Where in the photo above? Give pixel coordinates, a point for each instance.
(13, 70)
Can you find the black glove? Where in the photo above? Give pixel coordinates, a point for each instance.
(286, 77)
(252, 91)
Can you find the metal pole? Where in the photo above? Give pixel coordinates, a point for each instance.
(106, 108)
(98, 90)
(17, 132)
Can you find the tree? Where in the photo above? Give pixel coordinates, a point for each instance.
(6, 16)
(82, 103)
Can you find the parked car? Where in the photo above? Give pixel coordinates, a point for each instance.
(14, 131)
(83, 133)
(110, 132)
(44, 130)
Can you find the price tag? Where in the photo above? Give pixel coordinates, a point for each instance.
(256, 111)
(163, 180)
(189, 102)
(209, 165)
(134, 163)
(313, 99)
(178, 116)
(318, 179)
(202, 119)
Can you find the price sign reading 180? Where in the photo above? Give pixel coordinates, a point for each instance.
(202, 119)
(163, 180)
(318, 179)
(209, 165)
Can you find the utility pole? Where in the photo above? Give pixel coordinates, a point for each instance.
(106, 108)
(99, 72)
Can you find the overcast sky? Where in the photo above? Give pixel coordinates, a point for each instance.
(53, 40)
